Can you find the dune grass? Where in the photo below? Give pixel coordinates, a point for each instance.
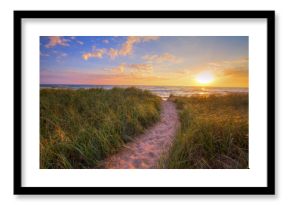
(79, 128)
(213, 133)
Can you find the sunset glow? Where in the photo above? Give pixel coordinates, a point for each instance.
(204, 77)
(218, 61)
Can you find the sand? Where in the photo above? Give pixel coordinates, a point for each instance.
(145, 151)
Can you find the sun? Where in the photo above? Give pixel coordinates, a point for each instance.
(204, 78)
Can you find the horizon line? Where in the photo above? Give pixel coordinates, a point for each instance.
(147, 85)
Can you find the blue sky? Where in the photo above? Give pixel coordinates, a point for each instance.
(143, 60)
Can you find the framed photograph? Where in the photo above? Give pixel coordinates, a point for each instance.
(144, 102)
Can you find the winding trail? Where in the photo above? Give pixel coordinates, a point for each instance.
(145, 151)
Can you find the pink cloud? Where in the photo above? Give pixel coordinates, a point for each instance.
(79, 77)
(56, 40)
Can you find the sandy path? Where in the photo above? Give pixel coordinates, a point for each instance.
(145, 151)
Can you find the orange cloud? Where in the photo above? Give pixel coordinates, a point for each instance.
(96, 53)
(149, 38)
(134, 69)
(230, 68)
(56, 40)
(220, 68)
(127, 47)
(141, 68)
(119, 69)
(166, 57)
(113, 53)
(230, 73)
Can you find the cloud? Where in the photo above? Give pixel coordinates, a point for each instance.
(231, 73)
(56, 40)
(73, 38)
(59, 53)
(135, 69)
(230, 67)
(59, 56)
(234, 72)
(225, 70)
(96, 53)
(72, 76)
(106, 41)
(119, 69)
(149, 38)
(166, 57)
(127, 47)
(141, 68)
(125, 50)
(80, 42)
(113, 53)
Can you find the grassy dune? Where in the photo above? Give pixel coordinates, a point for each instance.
(213, 133)
(79, 128)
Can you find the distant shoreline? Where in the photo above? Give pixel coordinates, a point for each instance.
(162, 91)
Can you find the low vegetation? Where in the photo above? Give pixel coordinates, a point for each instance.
(213, 133)
(79, 128)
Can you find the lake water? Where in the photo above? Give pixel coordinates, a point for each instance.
(162, 91)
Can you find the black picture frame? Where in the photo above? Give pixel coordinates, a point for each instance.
(268, 190)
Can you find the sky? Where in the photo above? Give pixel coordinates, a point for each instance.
(217, 61)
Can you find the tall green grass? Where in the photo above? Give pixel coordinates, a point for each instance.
(79, 128)
(213, 133)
